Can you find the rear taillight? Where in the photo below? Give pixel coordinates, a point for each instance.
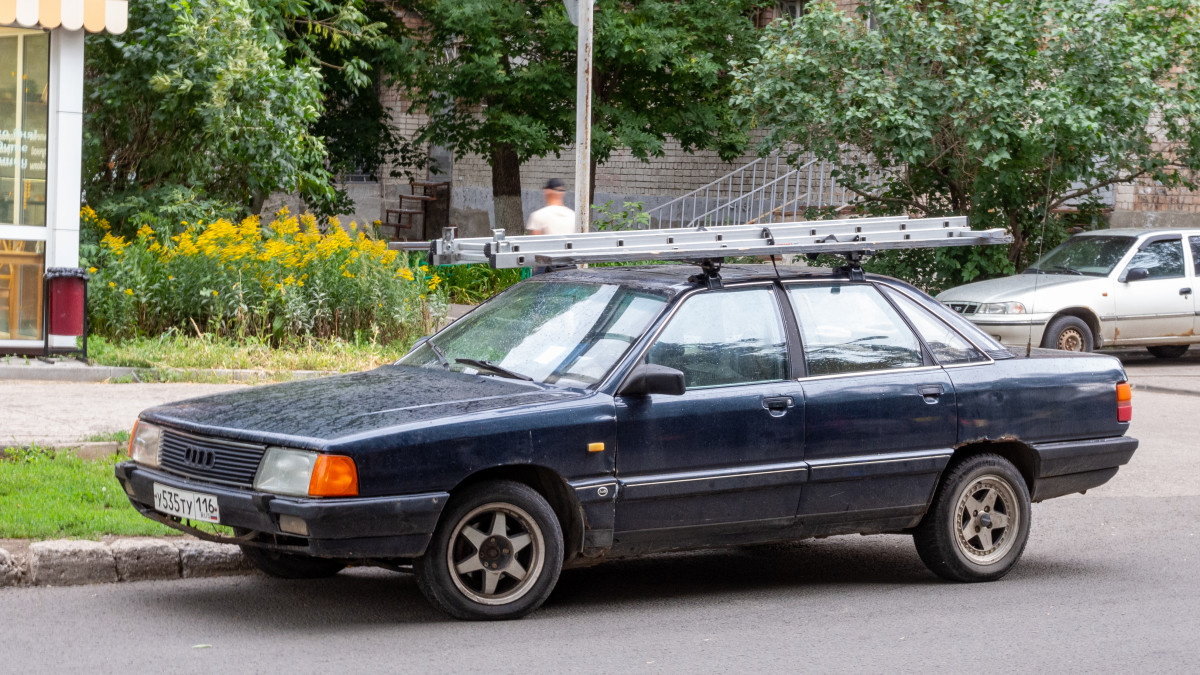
(1124, 402)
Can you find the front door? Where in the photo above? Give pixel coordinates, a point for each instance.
(729, 450)
(1160, 305)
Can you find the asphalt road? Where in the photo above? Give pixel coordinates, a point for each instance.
(1107, 584)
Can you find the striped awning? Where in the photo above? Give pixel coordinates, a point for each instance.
(91, 15)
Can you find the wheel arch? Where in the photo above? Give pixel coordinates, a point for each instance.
(1086, 315)
(550, 485)
(1021, 455)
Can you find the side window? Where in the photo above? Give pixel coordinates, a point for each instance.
(948, 347)
(847, 328)
(725, 337)
(1163, 259)
(1195, 241)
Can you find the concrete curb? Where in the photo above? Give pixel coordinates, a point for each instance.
(1164, 390)
(73, 562)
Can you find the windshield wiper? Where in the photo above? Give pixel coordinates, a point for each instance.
(441, 355)
(493, 368)
(1066, 270)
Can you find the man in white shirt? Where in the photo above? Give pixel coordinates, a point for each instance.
(553, 218)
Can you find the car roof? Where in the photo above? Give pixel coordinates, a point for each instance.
(673, 279)
(1138, 232)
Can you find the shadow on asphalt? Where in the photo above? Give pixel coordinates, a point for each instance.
(375, 597)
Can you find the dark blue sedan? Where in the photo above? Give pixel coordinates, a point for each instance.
(609, 412)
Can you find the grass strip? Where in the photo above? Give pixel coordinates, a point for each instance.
(208, 352)
(49, 495)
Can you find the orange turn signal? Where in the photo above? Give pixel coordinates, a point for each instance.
(1124, 402)
(334, 476)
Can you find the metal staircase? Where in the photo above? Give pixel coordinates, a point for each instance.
(768, 190)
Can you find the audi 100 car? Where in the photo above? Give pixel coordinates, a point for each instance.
(602, 413)
(1107, 288)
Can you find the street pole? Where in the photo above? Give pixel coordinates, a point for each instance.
(583, 119)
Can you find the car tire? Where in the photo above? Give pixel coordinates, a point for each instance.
(957, 539)
(496, 553)
(1068, 333)
(1168, 351)
(291, 565)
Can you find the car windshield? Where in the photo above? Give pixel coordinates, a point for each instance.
(1091, 256)
(563, 333)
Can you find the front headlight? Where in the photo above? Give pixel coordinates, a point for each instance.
(1001, 308)
(285, 472)
(144, 443)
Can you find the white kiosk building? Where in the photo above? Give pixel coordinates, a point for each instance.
(41, 139)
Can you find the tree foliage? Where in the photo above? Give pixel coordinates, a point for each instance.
(1001, 109)
(217, 99)
(497, 78)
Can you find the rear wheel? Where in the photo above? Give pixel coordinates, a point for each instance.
(1168, 351)
(291, 565)
(978, 524)
(496, 553)
(1068, 333)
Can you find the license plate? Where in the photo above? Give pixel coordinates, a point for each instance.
(185, 504)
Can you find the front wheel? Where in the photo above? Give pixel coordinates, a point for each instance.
(978, 524)
(1068, 333)
(496, 553)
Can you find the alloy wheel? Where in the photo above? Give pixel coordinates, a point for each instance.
(988, 518)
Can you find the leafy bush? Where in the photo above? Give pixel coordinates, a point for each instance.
(287, 279)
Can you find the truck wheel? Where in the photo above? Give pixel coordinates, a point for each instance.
(978, 524)
(1168, 351)
(291, 565)
(496, 553)
(1068, 333)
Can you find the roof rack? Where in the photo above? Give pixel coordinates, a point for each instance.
(853, 236)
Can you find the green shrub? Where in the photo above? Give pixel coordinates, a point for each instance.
(287, 279)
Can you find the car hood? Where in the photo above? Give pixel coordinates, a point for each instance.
(312, 413)
(1014, 288)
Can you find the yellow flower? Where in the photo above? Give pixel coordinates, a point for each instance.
(145, 231)
(112, 284)
(405, 274)
(347, 274)
(214, 294)
(128, 291)
(91, 270)
(170, 277)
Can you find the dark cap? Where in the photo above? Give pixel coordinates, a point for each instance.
(555, 184)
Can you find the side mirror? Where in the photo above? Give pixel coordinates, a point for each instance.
(649, 378)
(1135, 274)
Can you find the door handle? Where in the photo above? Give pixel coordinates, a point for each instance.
(777, 405)
(1185, 291)
(931, 392)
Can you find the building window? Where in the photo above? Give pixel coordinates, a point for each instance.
(24, 123)
(21, 265)
(794, 9)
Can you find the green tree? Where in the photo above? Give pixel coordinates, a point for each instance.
(497, 78)
(1001, 109)
(209, 101)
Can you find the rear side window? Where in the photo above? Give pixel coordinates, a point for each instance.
(1195, 254)
(848, 328)
(722, 338)
(948, 347)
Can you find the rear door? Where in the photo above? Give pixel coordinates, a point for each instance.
(728, 452)
(880, 415)
(1161, 305)
(1194, 241)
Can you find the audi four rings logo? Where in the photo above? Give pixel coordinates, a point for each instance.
(199, 457)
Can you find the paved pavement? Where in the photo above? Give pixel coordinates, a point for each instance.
(1106, 585)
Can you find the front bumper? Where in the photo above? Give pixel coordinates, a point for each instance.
(1013, 330)
(361, 527)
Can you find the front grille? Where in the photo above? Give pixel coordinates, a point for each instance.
(211, 459)
(963, 307)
